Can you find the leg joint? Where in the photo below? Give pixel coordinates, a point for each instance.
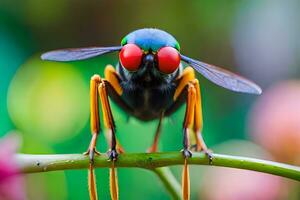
(96, 78)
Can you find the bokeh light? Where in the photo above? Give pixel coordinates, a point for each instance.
(264, 40)
(236, 184)
(275, 121)
(49, 101)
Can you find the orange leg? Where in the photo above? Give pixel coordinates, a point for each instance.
(154, 146)
(113, 78)
(98, 89)
(110, 125)
(188, 77)
(198, 122)
(95, 128)
(193, 119)
(108, 119)
(189, 117)
(188, 121)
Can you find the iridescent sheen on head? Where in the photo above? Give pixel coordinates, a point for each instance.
(150, 38)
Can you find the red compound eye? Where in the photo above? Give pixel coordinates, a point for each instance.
(168, 60)
(131, 57)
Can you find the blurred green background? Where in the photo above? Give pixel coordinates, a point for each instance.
(48, 102)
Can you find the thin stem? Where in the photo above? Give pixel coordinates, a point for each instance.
(41, 163)
(169, 181)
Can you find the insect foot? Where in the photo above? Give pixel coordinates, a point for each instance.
(113, 155)
(91, 153)
(186, 153)
(209, 155)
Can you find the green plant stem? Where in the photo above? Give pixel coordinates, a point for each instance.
(41, 163)
(169, 181)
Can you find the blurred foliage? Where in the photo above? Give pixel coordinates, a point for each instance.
(55, 100)
(49, 102)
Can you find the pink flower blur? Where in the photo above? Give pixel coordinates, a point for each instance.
(275, 121)
(11, 184)
(236, 184)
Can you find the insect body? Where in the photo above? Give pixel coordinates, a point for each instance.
(149, 82)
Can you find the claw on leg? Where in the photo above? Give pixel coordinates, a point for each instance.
(189, 86)
(91, 172)
(113, 178)
(113, 155)
(110, 125)
(188, 119)
(185, 181)
(209, 155)
(108, 135)
(201, 146)
(95, 129)
(92, 148)
(186, 153)
(185, 173)
(91, 153)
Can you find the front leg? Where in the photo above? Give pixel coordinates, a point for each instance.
(188, 77)
(188, 89)
(114, 90)
(188, 121)
(198, 122)
(110, 125)
(98, 89)
(108, 120)
(95, 122)
(95, 129)
(111, 86)
(188, 118)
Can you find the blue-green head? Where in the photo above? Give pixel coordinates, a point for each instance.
(150, 39)
(149, 56)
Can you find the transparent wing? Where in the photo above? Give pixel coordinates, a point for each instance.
(222, 77)
(77, 53)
